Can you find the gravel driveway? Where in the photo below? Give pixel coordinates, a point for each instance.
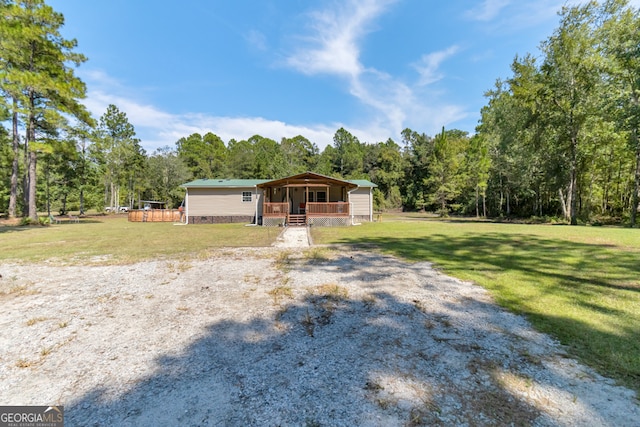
(300, 336)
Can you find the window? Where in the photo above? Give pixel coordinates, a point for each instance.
(311, 199)
(321, 196)
(246, 196)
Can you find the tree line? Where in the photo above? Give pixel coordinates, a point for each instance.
(559, 138)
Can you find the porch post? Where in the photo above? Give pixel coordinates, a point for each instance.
(288, 207)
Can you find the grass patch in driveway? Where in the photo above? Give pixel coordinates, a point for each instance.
(114, 240)
(578, 284)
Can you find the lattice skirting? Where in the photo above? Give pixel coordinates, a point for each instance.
(329, 222)
(273, 221)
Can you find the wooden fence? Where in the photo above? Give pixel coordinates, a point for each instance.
(155, 215)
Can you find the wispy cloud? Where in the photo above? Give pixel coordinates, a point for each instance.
(508, 16)
(333, 47)
(488, 10)
(256, 39)
(429, 64)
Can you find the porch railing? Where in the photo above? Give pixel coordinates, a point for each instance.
(328, 209)
(275, 209)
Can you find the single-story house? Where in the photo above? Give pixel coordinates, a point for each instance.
(304, 199)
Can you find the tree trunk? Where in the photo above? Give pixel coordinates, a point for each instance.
(25, 179)
(484, 202)
(82, 177)
(636, 190)
(112, 195)
(573, 184)
(33, 209)
(563, 203)
(501, 196)
(32, 161)
(477, 202)
(13, 194)
(47, 188)
(64, 203)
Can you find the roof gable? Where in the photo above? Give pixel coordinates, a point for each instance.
(309, 178)
(306, 178)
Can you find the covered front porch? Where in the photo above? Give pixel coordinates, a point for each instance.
(306, 199)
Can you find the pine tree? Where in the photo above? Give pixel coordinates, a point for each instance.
(37, 76)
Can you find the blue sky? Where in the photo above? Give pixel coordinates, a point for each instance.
(281, 68)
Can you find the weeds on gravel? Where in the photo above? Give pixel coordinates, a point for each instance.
(420, 417)
(332, 291)
(429, 324)
(373, 386)
(325, 300)
(23, 363)
(308, 323)
(283, 261)
(420, 306)
(178, 266)
(21, 290)
(252, 278)
(317, 254)
(497, 402)
(35, 320)
(284, 280)
(280, 292)
(516, 383)
(369, 301)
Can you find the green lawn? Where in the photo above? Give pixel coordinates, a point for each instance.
(112, 239)
(579, 284)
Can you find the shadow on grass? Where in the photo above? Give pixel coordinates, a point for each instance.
(570, 263)
(523, 268)
(337, 360)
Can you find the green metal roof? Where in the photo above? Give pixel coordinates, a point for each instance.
(224, 183)
(244, 183)
(362, 182)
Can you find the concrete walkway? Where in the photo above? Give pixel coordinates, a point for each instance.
(293, 237)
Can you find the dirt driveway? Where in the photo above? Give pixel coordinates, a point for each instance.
(284, 336)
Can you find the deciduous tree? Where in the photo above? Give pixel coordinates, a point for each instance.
(118, 153)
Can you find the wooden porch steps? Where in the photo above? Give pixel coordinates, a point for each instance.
(297, 220)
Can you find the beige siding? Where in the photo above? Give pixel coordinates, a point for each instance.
(220, 202)
(361, 201)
